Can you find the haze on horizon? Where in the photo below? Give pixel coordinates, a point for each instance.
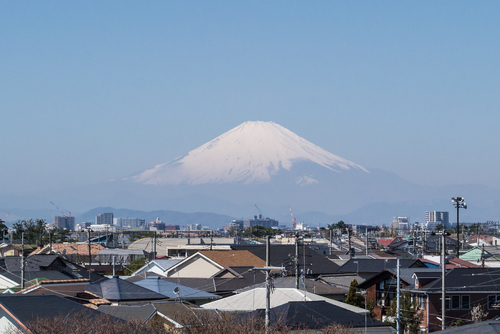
(98, 91)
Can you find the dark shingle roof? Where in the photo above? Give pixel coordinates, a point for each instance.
(467, 279)
(377, 265)
(30, 307)
(130, 312)
(166, 289)
(317, 314)
(116, 289)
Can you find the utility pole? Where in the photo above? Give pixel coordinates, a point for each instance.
(154, 245)
(22, 261)
(366, 231)
(90, 250)
(482, 257)
(443, 283)
(267, 269)
(349, 235)
(398, 306)
(212, 239)
(297, 260)
(458, 202)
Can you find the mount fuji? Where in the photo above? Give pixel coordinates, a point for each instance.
(252, 152)
(264, 164)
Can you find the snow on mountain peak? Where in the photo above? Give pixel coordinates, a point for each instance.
(251, 152)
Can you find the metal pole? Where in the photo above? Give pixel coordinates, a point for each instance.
(458, 231)
(22, 261)
(296, 261)
(90, 251)
(443, 275)
(154, 251)
(268, 282)
(114, 270)
(398, 305)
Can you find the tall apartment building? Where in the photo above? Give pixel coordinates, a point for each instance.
(129, 222)
(64, 222)
(260, 221)
(401, 223)
(104, 218)
(437, 217)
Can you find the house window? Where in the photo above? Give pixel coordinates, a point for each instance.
(465, 302)
(447, 302)
(455, 302)
(422, 302)
(492, 301)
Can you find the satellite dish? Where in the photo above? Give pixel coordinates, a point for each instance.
(177, 290)
(64, 251)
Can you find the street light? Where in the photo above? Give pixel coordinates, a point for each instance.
(458, 202)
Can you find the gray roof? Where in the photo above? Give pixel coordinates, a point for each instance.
(116, 289)
(467, 279)
(485, 327)
(313, 286)
(377, 265)
(130, 312)
(256, 298)
(317, 314)
(166, 288)
(30, 307)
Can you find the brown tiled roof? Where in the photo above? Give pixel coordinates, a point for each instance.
(70, 248)
(230, 258)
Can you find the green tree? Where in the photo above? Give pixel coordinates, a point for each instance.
(133, 266)
(259, 232)
(33, 230)
(410, 317)
(353, 298)
(3, 228)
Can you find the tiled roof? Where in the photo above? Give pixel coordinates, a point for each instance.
(27, 308)
(70, 248)
(234, 258)
(130, 312)
(376, 265)
(281, 255)
(166, 289)
(116, 289)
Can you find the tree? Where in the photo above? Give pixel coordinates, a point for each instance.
(135, 265)
(353, 298)
(258, 231)
(410, 317)
(478, 313)
(33, 230)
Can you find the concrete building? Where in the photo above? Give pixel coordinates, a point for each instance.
(234, 225)
(260, 221)
(433, 218)
(104, 218)
(64, 222)
(127, 222)
(401, 223)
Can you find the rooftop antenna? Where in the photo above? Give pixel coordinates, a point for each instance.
(177, 291)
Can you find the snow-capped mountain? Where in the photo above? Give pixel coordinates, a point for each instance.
(250, 153)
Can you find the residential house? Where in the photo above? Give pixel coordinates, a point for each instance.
(311, 262)
(205, 264)
(254, 299)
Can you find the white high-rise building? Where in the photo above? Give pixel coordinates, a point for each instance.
(436, 218)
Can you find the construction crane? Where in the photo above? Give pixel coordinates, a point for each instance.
(64, 214)
(293, 218)
(261, 216)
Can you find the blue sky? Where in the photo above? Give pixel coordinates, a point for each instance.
(91, 91)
